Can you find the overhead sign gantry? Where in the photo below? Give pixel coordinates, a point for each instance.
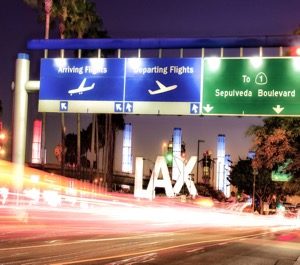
(210, 103)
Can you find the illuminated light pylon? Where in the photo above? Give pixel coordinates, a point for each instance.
(295, 51)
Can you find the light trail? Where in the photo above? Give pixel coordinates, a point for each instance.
(43, 204)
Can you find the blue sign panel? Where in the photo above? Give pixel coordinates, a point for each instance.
(93, 79)
(163, 80)
(133, 86)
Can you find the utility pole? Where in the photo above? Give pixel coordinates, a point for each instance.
(255, 172)
(198, 160)
(48, 9)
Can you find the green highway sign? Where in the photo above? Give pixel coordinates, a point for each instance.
(280, 174)
(252, 86)
(276, 176)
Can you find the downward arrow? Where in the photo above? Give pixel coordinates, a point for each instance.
(208, 108)
(278, 109)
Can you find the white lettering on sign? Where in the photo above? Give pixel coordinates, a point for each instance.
(151, 70)
(233, 93)
(260, 93)
(181, 70)
(246, 79)
(173, 69)
(70, 70)
(276, 93)
(164, 181)
(94, 69)
(88, 69)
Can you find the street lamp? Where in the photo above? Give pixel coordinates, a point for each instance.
(198, 160)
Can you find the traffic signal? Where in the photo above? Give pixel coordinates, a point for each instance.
(206, 164)
(294, 51)
(206, 161)
(169, 158)
(169, 154)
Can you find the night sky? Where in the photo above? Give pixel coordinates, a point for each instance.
(152, 18)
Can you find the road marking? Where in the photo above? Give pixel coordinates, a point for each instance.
(133, 260)
(208, 246)
(160, 249)
(86, 241)
(195, 249)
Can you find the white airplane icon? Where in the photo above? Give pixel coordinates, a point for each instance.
(81, 88)
(162, 88)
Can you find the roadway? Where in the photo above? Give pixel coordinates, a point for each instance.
(184, 246)
(122, 230)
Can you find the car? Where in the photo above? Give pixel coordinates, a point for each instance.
(289, 207)
(290, 210)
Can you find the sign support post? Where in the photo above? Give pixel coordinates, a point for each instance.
(20, 108)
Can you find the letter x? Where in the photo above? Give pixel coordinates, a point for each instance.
(185, 176)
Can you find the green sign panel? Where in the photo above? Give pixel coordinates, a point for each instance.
(277, 176)
(280, 174)
(253, 86)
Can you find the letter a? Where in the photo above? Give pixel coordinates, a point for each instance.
(165, 182)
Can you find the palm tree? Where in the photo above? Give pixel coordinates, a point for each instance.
(74, 18)
(79, 19)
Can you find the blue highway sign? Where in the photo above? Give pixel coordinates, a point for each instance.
(81, 80)
(156, 84)
(132, 85)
